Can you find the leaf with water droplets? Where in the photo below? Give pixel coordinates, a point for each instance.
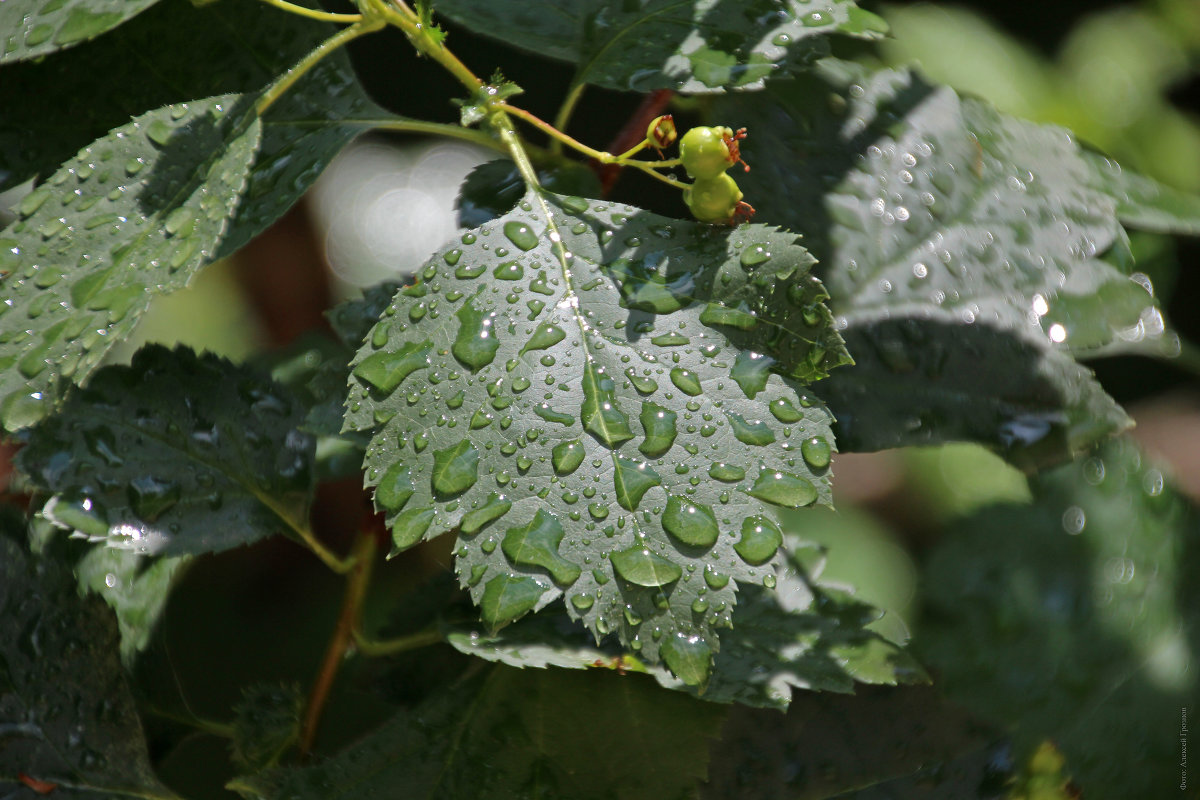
(56, 727)
(1142, 202)
(517, 733)
(1100, 566)
(972, 258)
(34, 28)
(697, 46)
(176, 454)
(572, 447)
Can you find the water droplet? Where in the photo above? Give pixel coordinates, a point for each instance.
(691, 523)
(729, 473)
(639, 566)
(784, 411)
(536, 545)
(506, 598)
(150, 497)
(672, 339)
(387, 370)
(717, 314)
(410, 526)
(760, 540)
(476, 343)
(455, 469)
(751, 372)
(598, 511)
(101, 443)
(469, 271)
(574, 205)
(632, 480)
(544, 336)
(715, 579)
(495, 507)
(643, 384)
(395, 488)
(816, 452)
(659, 425)
(755, 254)
(686, 381)
(689, 657)
(600, 415)
(509, 271)
(582, 602)
(783, 489)
(567, 456)
(451, 257)
(754, 432)
(521, 235)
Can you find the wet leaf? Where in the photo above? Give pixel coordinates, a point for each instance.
(568, 416)
(1143, 202)
(517, 733)
(1075, 619)
(267, 722)
(177, 454)
(948, 232)
(696, 46)
(84, 736)
(34, 28)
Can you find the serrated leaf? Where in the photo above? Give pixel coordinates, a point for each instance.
(798, 635)
(494, 187)
(939, 221)
(517, 733)
(694, 46)
(530, 388)
(1143, 202)
(138, 212)
(34, 28)
(176, 454)
(67, 716)
(1075, 619)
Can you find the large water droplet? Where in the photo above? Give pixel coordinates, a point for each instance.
(151, 497)
(639, 566)
(536, 545)
(601, 416)
(686, 381)
(659, 425)
(755, 432)
(755, 254)
(760, 540)
(689, 657)
(521, 235)
(544, 336)
(567, 456)
(816, 452)
(410, 526)
(495, 507)
(476, 342)
(632, 480)
(509, 271)
(455, 469)
(691, 523)
(783, 489)
(717, 314)
(784, 411)
(751, 371)
(729, 473)
(385, 371)
(395, 488)
(643, 384)
(506, 598)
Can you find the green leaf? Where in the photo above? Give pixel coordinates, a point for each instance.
(1075, 619)
(546, 386)
(520, 733)
(694, 46)
(799, 634)
(136, 588)
(1143, 202)
(183, 52)
(266, 723)
(136, 213)
(177, 454)
(948, 232)
(494, 187)
(36, 28)
(67, 716)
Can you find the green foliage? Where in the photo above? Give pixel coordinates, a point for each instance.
(614, 427)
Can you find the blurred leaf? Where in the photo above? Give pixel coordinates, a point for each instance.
(495, 187)
(969, 256)
(66, 714)
(177, 454)
(266, 723)
(1075, 619)
(695, 46)
(34, 28)
(1144, 202)
(876, 744)
(521, 733)
(569, 437)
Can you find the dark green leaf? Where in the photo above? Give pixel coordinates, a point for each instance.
(34, 28)
(551, 734)
(495, 187)
(546, 386)
(66, 714)
(1143, 202)
(694, 46)
(267, 722)
(1075, 619)
(176, 454)
(947, 231)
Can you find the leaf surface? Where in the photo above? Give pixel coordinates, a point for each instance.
(67, 716)
(517, 733)
(34, 28)
(585, 421)
(946, 232)
(176, 454)
(1143, 202)
(1075, 619)
(693, 46)
(136, 588)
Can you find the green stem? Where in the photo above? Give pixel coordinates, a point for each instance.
(323, 16)
(402, 644)
(472, 135)
(399, 14)
(221, 729)
(339, 39)
(565, 111)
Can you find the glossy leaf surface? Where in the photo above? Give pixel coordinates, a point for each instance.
(33, 28)
(81, 734)
(948, 232)
(584, 419)
(177, 454)
(516, 733)
(694, 46)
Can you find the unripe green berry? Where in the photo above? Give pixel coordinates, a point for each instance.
(713, 199)
(704, 152)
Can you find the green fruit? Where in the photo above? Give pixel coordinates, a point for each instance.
(713, 199)
(705, 152)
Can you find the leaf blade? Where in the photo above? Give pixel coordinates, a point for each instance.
(37, 28)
